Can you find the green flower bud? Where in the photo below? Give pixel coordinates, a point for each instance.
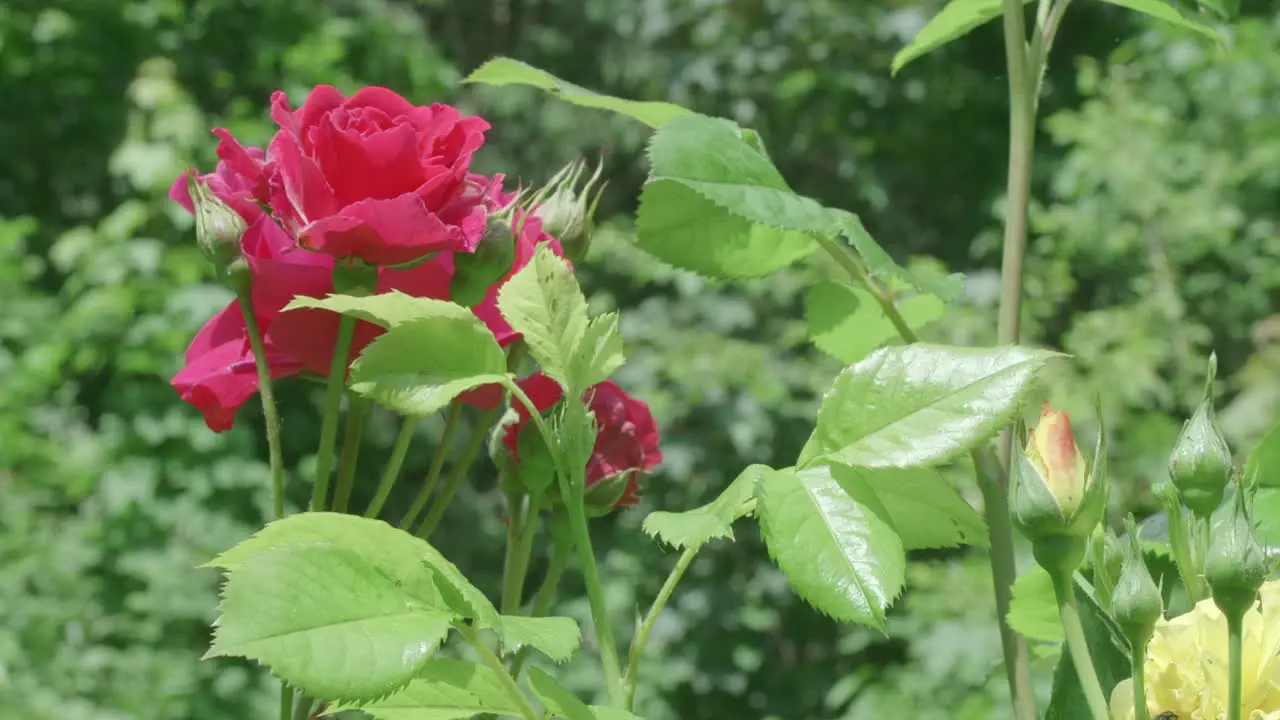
(1056, 499)
(1200, 464)
(474, 273)
(1137, 604)
(602, 498)
(1236, 565)
(568, 212)
(218, 227)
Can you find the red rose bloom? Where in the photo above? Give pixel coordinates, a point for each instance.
(626, 439)
(375, 177)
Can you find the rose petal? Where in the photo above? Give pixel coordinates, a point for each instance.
(382, 165)
(385, 232)
(308, 193)
(219, 381)
(388, 101)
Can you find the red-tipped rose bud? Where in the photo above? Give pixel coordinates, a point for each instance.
(1057, 500)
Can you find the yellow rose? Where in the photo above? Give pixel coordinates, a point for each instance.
(1186, 664)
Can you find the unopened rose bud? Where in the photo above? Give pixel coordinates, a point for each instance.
(218, 227)
(1057, 500)
(1200, 464)
(1138, 603)
(1236, 565)
(568, 212)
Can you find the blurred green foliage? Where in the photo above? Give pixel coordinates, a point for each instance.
(1155, 239)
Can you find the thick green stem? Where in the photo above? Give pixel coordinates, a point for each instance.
(521, 531)
(572, 489)
(352, 435)
(646, 625)
(286, 701)
(1138, 671)
(471, 451)
(1235, 642)
(1077, 646)
(270, 414)
(332, 409)
(437, 463)
(508, 682)
(392, 471)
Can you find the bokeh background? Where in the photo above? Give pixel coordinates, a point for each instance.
(1155, 239)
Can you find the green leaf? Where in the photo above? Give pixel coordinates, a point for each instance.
(920, 404)
(921, 505)
(694, 528)
(882, 266)
(327, 622)
(717, 206)
(1262, 467)
(847, 323)
(420, 366)
(1110, 655)
(544, 303)
(688, 231)
(838, 554)
(1034, 610)
(609, 713)
(1266, 514)
(384, 309)
(557, 700)
(953, 21)
(444, 690)
(505, 71)
(1162, 10)
(556, 637)
(411, 562)
(599, 352)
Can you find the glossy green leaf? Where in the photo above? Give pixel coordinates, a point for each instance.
(847, 323)
(922, 506)
(411, 562)
(1262, 467)
(326, 621)
(1162, 10)
(838, 554)
(920, 404)
(717, 206)
(505, 71)
(880, 265)
(544, 303)
(418, 367)
(444, 690)
(1110, 655)
(681, 228)
(1034, 609)
(384, 309)
(694, 528)
(556, 699)
(556, 637)
(955, 20)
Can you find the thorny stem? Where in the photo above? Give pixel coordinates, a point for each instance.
(392, 471)
(1077, 646)
(646, 625)
(270, 414)
(437, 463)
(332, 409)
(352, 434)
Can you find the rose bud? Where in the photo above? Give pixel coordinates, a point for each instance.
(1236, 565)
(1137, 604)
(1057, 499)
(218, 227)
(568, 213)
(1200, 464)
